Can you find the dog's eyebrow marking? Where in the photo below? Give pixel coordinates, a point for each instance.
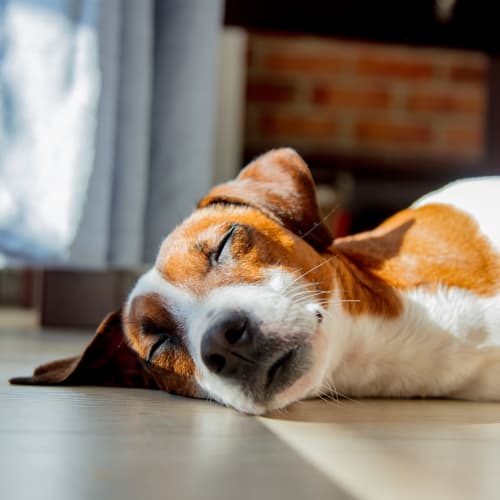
(151, 314)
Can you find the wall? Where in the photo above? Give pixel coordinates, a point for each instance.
(324, 95)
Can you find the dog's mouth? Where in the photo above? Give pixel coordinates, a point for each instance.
(275, 377)
(277, 368)
(284, 371)
(261, 382)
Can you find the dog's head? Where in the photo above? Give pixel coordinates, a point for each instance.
(235, 300)
(234, 306)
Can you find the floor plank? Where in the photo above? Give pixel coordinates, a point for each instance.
(392, 450)
(85, 442)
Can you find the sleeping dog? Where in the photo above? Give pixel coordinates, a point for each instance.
(250, 302)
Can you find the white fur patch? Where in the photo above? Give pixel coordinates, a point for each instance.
(180, 302)
(279, 315)
(438, 346)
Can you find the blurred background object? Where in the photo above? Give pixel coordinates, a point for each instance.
(108, 111)
(117, 115)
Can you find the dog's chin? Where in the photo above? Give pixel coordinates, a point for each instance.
(310, 384)
(305, 387)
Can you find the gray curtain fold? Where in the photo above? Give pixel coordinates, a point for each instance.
(182, 135)
(90, 247)
(133, 135)
(155, 127)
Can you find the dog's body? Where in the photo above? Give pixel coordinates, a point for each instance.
(250, 302)
(409, 309)
(445, 342)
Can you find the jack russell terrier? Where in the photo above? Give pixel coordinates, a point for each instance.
(250, 302)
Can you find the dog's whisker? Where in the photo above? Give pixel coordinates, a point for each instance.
(305, 290)
(306, 297)
(297, 287)
(338, 394)
(331, 393)
(335, 391)
(317, 224)
(309, 290)
(322, 263)
(342, 301)
(300, 289)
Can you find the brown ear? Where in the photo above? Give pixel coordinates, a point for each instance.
(107, 360)
(280, 185)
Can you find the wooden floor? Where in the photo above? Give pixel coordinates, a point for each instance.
(99, 443)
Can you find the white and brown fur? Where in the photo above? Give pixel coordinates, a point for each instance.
(410, 309)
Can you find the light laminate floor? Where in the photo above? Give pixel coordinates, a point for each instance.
(100, 443)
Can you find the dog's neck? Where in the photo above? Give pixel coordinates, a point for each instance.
(426, 272)
(359, 286)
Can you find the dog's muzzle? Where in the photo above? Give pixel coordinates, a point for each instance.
(235, 347)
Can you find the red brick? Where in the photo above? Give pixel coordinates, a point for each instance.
(270, 92)
(394, 68)
(385, 131)
(337, 96)
(446, 103)
(286, 125)
(469, 73)
(286, 62)
(462, 139)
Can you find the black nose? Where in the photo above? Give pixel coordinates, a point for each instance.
(226, 345)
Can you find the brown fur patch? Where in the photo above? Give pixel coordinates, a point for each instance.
(364, 291)
(428, 246)
(280, 185)
(147, 320)
(259, 244)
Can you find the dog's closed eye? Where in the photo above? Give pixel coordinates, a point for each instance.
(154, 348)
(161, 334)
(237, 240)
(222, 252)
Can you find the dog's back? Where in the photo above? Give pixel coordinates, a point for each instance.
(479, 197)
(442, 257)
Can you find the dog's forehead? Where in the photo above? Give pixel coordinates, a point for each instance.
(211, 222)
(184, 274)
(183, 260)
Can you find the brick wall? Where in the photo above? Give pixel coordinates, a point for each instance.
(334, 96)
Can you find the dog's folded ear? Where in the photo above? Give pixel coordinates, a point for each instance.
(280, 185)
(106, 361)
